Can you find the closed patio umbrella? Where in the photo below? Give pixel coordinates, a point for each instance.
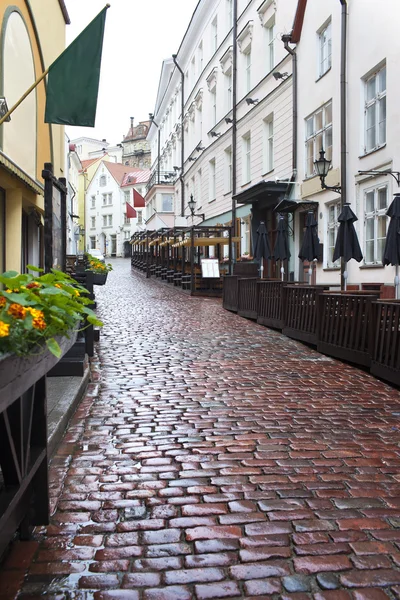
(281, 250)
(391, 252)
(310, 246)
(261, 246)
(347, 245)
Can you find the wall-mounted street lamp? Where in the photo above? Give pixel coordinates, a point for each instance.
(191, 159)
(251, 101)
(322, 166)
(214, 134)
(228, 120)
(176, 168)
(192, 208)
(199, 148)
(279, 75)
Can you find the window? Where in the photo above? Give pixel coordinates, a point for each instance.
(126, 220)
(93, 202)
(103, 181)
(92, 241)
(229, 13)
(92, 222)
(214, 35)
(228, 89)
(127, 196)
(104, 220)
(193, 71)
(110, 219)
(200, 58)
(213, 106)
(268, 144)
(375, 110)
(247, 70)
(325, 49)
(228, 169)
(110, 198)
(212, 182)
(104, 199)
(139, 214)
(167, 203)
(270, 37)
(245, 234)
(199, 189)
(375, 207)
(318, 136)
(333, 226)
(246, 158)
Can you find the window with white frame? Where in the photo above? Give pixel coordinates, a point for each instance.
(270, 40)
(324, 49)
(213, 106)
(246, 162)
(126, 219)
(333, 226)
(318, 136)
(167, 203)
(229, 13)
(375, 110)
(214, 35)
(211, 181)
(127, 196)
(228, 169)
(139, 215)
(199, 189)
(110, 198)
(104, 199)
(103, 181)
(245, 235)
(93, 202)
(110, 220)
(375, 219)
(92, 222)
(228, 89)
(268, 144)
(92, 241)
(200, 58)
(105, 220)
(247, 69)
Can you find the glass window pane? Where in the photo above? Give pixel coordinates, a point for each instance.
(328, 114)
(309, 127)
(382, 198)
(382, 221)
(318, 121)
(328, 143)
(371, 88)
(369, 234)
(369, 201)
(371, 128)
(382, 120)
(382, 80)
(332, 214)
(369, 252)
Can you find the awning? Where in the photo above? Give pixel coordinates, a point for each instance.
(206, 241)
(267, 191)
(155, 242)
(290, 206)
(8, 164)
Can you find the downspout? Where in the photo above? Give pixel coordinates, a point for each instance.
(343, 124)
(286, 40)
(234, 129)
(158, 146)
(182, 136)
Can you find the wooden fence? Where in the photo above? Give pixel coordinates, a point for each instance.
(270, 303)
(385, 361)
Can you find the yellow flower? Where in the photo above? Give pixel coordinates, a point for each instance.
(39, 323)
(36, 314)
(76, 293)
(4, 329)
(17, 311)
(58, 285)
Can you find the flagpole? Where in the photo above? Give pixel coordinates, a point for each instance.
(43, 75)
(35, 84)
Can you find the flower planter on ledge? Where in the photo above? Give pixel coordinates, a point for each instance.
(24, 497)
(99, 278)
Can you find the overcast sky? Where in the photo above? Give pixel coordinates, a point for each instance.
(139, 34)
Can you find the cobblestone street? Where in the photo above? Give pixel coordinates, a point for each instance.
(214, 458)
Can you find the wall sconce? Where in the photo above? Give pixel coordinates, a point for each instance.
(278, 75)
(192, 208)
(191, 159)
(214, 134)
(176, 168)
(199, 148)
(228, 120)
(251, 101)
(322, 166)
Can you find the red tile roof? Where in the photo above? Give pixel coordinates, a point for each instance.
(125, 175)
(89, 161)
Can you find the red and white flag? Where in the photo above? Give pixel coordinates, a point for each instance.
(130, 212)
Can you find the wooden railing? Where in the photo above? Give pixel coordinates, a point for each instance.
(301, 307)
(385, 361)
(270, 303)
(345, 326)
(248, 297)
(230, 293)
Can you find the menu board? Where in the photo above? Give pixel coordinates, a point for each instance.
(210, 268)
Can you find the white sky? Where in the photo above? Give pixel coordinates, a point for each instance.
(139, 34)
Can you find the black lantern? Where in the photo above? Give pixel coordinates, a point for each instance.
(192, 208)
(322, 166)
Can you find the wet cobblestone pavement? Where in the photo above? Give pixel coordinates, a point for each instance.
(214, 458)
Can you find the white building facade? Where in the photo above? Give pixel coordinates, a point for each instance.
(107, 226)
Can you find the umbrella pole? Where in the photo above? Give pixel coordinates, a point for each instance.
(262, 269)
(282, 271)
(396, 283)
(309, 273)
(345, 275)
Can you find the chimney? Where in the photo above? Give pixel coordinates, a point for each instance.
(132, 118)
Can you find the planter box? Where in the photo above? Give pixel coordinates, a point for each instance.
(24, 497)
(99, 278)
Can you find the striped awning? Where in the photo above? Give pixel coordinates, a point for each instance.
(8, 164)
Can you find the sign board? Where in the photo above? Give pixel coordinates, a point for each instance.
(210, 268)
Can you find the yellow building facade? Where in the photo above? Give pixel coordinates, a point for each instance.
(32, 35)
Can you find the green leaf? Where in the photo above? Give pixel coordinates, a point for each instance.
(95, 321)
(17, 298)
(54, 347)
(33, 268)
(10, 274)
(52, 291)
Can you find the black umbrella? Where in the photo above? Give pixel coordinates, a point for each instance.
(261, 246)
(310, 246)
(347, 246)
(281, 250)
(391, 252)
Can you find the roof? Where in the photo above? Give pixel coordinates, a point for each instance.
(298, 21)
(138, 132)
(122, 173)
(90, 161)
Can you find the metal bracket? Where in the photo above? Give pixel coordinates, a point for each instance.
(394, 174)
(334, 188)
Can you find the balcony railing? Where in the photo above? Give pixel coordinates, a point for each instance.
(161, 178)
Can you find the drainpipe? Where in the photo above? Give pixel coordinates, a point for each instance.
(292, 52)
(234, 129)
(182, 136)
(158, 146)
(343, 125)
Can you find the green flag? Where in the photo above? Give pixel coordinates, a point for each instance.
(73, 81)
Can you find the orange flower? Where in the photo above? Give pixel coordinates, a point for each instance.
(33, 284)
(2, 301)
(57, 285)
(36, 314)
(39, 323)
(17, 311)
(4, 329)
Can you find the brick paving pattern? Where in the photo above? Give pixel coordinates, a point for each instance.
(215, 458)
